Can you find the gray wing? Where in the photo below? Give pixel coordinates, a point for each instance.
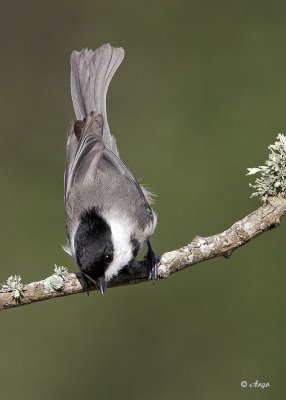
(110, 157)
(85, 150)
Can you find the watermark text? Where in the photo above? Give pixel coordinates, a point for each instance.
(256, 384)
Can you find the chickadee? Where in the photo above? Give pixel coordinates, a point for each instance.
(108, 214)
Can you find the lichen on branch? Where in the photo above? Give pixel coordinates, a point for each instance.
(272, 180)
(13, 285)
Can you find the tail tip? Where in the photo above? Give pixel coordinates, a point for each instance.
(86, 52)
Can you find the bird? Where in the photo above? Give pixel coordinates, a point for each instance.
(108, 213)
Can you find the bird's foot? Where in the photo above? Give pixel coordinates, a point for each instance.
(86, 281)
(151, 261)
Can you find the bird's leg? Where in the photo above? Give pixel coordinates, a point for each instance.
(86, 281)
(151, 261)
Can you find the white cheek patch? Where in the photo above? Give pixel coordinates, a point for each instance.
(120, 231)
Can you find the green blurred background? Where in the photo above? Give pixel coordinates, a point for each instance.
(197, 100)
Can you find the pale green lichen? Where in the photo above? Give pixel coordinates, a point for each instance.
(61, 271)
(57, 280)
(14, 285)
(272, 178)
(54, 282)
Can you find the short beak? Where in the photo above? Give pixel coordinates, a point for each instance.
(101, 283)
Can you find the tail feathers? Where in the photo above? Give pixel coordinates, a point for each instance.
(91, 73)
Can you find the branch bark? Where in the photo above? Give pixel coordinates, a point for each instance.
(200, 249)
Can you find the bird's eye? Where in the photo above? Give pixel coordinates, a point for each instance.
(108, 257)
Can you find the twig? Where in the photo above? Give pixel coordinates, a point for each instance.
(200, 249)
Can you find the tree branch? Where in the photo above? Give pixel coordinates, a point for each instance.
(200, 249)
